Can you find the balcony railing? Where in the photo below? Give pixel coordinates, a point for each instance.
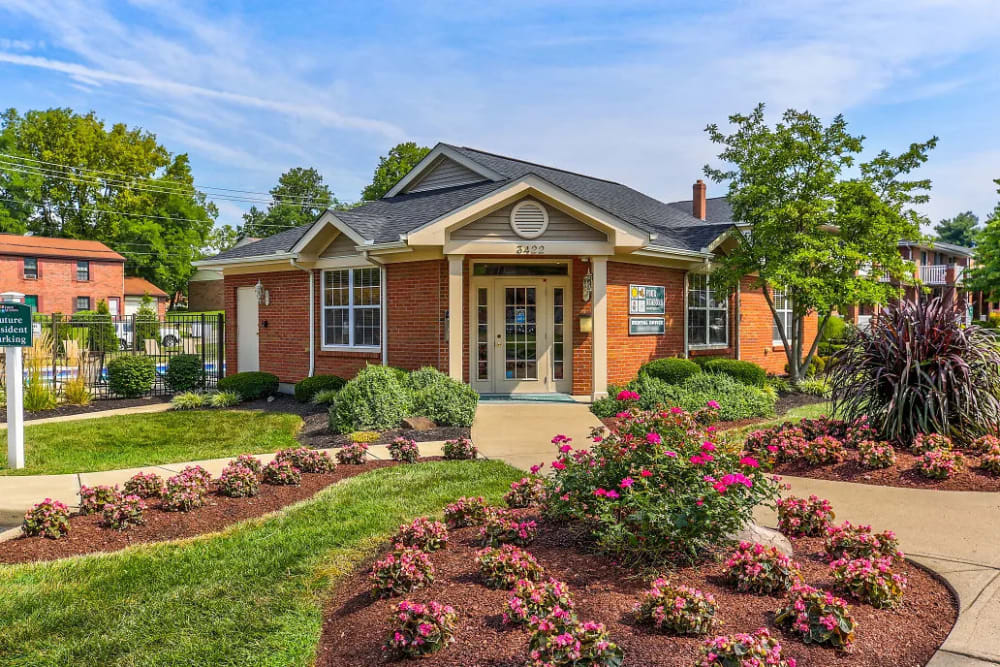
(941, 274)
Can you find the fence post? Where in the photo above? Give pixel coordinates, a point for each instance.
(204, 375)
(55, 347)
(220, 345)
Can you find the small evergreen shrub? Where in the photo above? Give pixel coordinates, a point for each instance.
(835, 329)
(131, 376)
(422, 533)
(185, 372)
(250, 385)
(421, 629)
(282, 473)
(871, 580)
(145, 485)
(404, 450)
(824, 450)
(818, 617)
(672, 370)
(681, 610)
(746, 372)
(325, 397)
(403, 571)
(307, 388)
(504, 527)
(562, 641)
(744, 650)
(223, 399)
(188, 400)
(124, 511)
(49, 518)
(801, 517)
(375, 399)
(528, 601)
(249, 462)
(459, 449)
(848, 541)
(446, 402)
(876, 455)
(525, 492)
(939, 464)
(465, 512)
(503, 566)
(94, 498)
(237, 481)
(352, 454)
(928, 442)
(754, 568)
(306, 459)
(735, 400)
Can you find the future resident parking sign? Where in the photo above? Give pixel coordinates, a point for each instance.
(15, 324)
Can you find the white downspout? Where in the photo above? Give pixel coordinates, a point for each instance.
(312, 316)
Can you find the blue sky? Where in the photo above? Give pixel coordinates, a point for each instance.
(620, 90)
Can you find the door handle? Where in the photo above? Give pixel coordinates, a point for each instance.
(499, 340)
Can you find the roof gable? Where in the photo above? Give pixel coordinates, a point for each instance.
(459, 170)
(444, 172)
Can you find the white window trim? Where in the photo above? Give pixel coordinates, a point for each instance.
(350, 309)
(787, 309)
(708, 309)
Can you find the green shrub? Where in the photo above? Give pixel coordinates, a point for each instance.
(131, 376)
(746, 372)
(816, 366)
(147, 321)
(671, 370)
(835, 329)
(184, 372)
(223, 399)
(374, 399)
(423, 378)
(188, 400)
(307, 388)
(99, 328)
(827, 349)
(702, 360)
(445, 401)
(993, 321)
(736, 400)
(250, 385)
(325, 396)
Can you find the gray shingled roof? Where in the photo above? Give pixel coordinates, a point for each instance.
(717, 209)
(387, 219)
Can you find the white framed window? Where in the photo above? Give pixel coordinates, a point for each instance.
(783, 307)
(352, 308)
(707, 313)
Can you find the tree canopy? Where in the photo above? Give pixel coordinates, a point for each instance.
(298, 199)
(392, 167)
(986, 271)
(960, 230)
(809, 229)
(68, 175)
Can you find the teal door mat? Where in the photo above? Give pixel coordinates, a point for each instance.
(527, 398)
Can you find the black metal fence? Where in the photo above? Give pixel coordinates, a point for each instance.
(68, 347)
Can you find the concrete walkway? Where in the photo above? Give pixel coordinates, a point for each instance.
(96, 414)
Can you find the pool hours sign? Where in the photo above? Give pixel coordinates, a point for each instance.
(15, 324)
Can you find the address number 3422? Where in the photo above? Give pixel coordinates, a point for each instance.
(532, 249)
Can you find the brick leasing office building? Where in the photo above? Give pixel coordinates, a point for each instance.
(508, 275)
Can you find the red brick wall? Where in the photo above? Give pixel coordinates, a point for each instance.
(57, 286)
(756, 330)
(206, 295)
(417, 303)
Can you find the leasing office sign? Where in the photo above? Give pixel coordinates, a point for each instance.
(646, 300)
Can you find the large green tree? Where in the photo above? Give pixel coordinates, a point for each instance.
(298, 199)
(392, 167)
(960, 230)
(808, 228)
(68, 175)
(986, 271)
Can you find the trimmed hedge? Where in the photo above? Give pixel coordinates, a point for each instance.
(250, 385)
(375, 399)
(671, 370)
(736, 400)
(704, 359)
(131, 376)
(746, 372)
(308, 387)
(442, 399)
(184, 372)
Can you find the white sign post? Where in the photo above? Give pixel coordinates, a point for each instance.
(15, 333)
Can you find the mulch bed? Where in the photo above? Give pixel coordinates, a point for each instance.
(87, 536)
(357, 626)
(98, 405)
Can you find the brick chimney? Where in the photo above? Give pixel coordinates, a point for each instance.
(698, 206)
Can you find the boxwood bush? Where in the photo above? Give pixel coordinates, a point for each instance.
(250, 385)
(746, 372)
(184, 372)
(671, 370)
(444, 400)
(131, 376)
(736, 400)
(307, 388)
(375, 399)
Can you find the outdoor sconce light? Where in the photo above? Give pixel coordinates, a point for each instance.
(263, 296)
(586, 323)
(588, 289)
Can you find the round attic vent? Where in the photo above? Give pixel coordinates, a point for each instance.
(529, 219)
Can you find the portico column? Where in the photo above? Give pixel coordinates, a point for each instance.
(600, 333)
(455, 319)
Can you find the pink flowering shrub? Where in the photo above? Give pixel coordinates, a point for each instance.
(144, 485)
(422, 533)
(822, 426)
(249, 462)
(306, 459)
(505, 527)
(754, 568)
(459, 449)
(657, 487)
(404, 450)
(744, 650)
(870, 580)
(681, 610)
(801, 517)
(526, 492)
(562, 641)
(849, 541)
(282, 473)
(49, 518)
(824, 450)
(421, 629)
(531, 601)
(939, 463)
(353, 454)
(875, 454)
(859, 431)
(237, 481)
(818, 617)
(123, 511)
(94, 498)
(403, 571)
(991, 461)
(465, 512)
(985, 444)
(503, 566)
(926, 442)
(198, 476)
(183, 492)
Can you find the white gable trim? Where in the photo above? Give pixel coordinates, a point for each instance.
(327, 218)
(428, 161)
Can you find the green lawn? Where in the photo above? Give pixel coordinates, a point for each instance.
(130, 441)
(251, 595)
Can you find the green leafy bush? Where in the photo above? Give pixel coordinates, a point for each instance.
(446, 402)
(835, 329)
(679, 609)
(817, 617)
(816, 367)
(49, 518)
(307, 388)
(735, 400)
(422, 378)
(325, 396)
(250, 385)
(746, 372)
(701, 360)
(671, 370)
(131, 376)
(147, 321)
(188, 400)
(374, 399)
(185, 372)
(96, 328)
(223, 399)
